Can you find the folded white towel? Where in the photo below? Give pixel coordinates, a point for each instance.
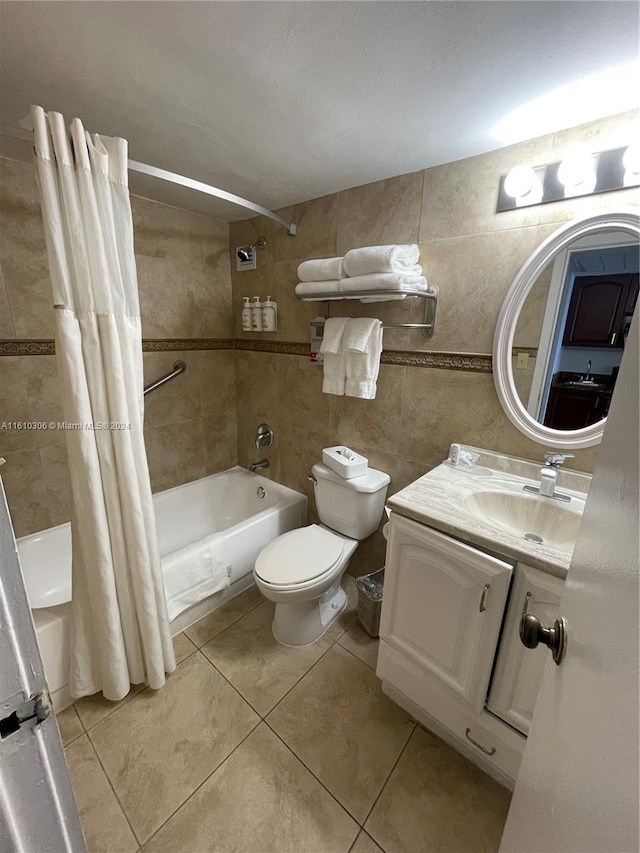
(363, 358)
(383, 281)
(335, 356)
(322, 269)
(194, 572)
(370, 259)
(313, 288)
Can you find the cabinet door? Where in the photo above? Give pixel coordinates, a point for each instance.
(571, 409)
(595, 311)
(443, 606)
(518, 671)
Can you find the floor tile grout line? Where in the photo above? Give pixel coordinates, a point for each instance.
(226, 627)
(115, 793)
(195, 790)
(120, 704)
(386, 782)
(319, 781)
(364, 832)
(231, 684)
(353, 654)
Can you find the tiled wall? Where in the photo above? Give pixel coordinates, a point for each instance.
(185, 292)
(468, 250)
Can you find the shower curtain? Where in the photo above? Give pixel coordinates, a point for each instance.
(120, 630)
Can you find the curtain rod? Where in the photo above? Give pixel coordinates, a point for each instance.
(174, 178)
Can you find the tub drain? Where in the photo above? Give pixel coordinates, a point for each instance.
(533, 537)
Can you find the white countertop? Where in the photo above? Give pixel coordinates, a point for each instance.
(438, 499)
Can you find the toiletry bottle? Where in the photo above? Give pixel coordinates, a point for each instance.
(247, 315)
(269, 315)
(256, 311)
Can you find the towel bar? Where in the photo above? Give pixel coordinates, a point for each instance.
(178, 368)
(430, 306)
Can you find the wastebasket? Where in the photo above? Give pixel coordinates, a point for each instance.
(370, 601)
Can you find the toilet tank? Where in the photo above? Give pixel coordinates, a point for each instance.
(351, 507)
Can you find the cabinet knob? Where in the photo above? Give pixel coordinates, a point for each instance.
(555, 638)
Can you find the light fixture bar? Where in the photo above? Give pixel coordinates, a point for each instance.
(610, 174)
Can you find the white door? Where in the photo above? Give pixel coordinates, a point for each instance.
(442, 607)
(518, 672)
(37, 809)
(577, 790)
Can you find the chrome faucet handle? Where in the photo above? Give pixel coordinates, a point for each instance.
(554, 459)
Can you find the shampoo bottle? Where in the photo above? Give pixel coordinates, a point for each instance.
(269, 315)
(256, 311)
(247, 315)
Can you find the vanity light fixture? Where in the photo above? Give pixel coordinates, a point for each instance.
(580, 173)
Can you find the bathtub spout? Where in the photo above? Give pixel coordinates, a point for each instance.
(260, 465)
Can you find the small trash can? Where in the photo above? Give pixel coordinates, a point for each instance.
(370, 601)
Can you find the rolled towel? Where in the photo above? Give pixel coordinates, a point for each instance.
(363, 345)
(322, 269)
(371, 259)
(383, 281)
(313, 288)
(334, 355)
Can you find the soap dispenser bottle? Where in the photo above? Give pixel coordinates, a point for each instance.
(256, 311)
(269, 315)
(247, 315)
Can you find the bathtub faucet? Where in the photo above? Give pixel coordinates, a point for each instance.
(259, 465)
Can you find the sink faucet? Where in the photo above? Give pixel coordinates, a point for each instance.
(587, 376)
(549, 476)
(260, 465)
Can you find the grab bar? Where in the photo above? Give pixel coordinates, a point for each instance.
(178, 368)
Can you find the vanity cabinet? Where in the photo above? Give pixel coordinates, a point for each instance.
(443, 607)
(518, 673)
(450, 651)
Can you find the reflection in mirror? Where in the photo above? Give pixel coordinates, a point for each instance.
(570, 334)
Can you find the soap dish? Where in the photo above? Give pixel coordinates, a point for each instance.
(345, 462)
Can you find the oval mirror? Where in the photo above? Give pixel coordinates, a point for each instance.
(561, 331)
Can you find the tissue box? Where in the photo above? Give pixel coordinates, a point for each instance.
(345, 462)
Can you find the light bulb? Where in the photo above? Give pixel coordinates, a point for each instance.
(523, 185)
(577, 173)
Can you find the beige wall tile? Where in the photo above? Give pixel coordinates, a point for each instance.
(316, 222)
(380, 213)
(175, 453)
(178, 400)
(14, 408)
(27, 497)
(6, 320)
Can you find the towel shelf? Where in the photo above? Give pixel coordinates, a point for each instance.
(430, 298)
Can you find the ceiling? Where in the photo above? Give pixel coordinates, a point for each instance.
(285, 101)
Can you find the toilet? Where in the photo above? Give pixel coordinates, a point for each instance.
(301, 570)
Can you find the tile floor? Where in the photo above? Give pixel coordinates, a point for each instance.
(252, 747)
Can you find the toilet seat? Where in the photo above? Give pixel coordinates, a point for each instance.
(299, 557)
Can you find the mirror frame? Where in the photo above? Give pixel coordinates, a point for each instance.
(627, 221)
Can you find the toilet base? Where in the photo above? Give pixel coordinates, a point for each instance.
(302, 623)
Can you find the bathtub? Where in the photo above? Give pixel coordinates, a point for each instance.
(249, 509)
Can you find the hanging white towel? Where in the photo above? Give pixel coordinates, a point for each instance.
(335, 356)
(363, 345)
(313, 288)
(194, 572)
(322, 269)
(371, 259)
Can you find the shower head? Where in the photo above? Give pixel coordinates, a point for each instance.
(245, 253)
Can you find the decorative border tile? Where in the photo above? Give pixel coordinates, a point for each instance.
(177, 344)
(473, 362)
(282, 347)
(28, 347)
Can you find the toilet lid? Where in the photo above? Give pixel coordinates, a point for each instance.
(298, 556)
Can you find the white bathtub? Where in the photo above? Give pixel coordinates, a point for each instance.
(228, 502)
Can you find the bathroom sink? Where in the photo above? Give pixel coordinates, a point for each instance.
(541, 520)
